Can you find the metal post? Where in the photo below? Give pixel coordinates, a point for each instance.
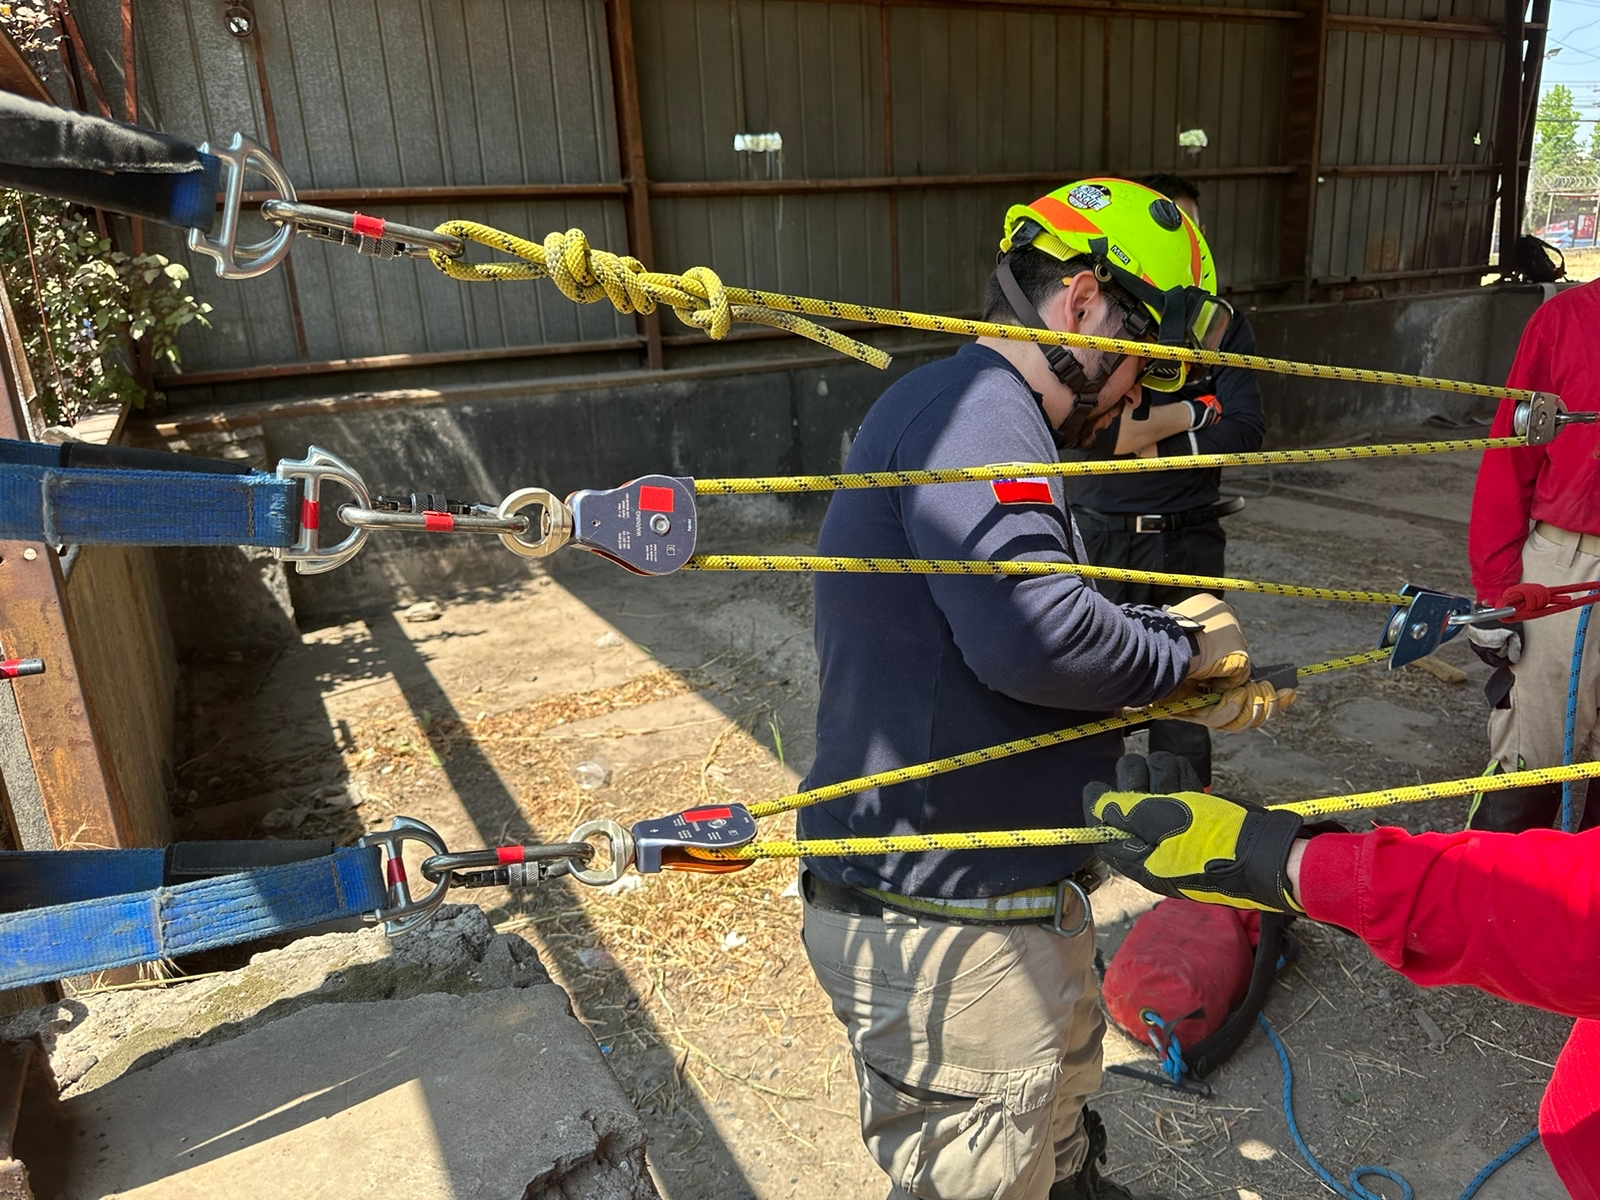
(630, 144)
(1510, 137)
(81, 797)
(270, 119)
(1308, 56)
(888, 155)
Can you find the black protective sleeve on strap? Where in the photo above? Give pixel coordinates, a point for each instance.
(90, 456)
(1274, 943)
(105, 164)
(188, 861)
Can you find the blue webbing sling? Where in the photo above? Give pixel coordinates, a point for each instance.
(73, 912)
(83, 494)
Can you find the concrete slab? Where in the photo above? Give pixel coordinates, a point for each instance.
(95, 1038)
(499, 1094)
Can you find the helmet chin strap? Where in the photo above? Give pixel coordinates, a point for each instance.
(1064, 365)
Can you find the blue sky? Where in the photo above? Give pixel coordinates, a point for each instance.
(1575, 31)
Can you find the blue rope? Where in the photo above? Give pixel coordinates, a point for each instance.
(1506, 1156)
(1572, 713)
(1354, 1190)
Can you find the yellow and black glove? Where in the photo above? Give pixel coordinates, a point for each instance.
(1183, 842)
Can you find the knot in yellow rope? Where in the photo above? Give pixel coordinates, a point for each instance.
(586, 275)
(714, 314)
(589, 276)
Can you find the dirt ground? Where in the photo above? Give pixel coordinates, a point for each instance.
(702, 686)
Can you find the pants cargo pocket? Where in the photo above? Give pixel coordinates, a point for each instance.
(939, 1144)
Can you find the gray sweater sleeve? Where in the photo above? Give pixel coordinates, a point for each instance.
(1049, 640)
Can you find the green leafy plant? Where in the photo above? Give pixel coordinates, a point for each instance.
(94, 320)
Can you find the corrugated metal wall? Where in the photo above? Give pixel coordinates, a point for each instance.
(451, 93)
(1394, 100)
(397, 93)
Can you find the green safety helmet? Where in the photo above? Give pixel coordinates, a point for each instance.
(1140, 241)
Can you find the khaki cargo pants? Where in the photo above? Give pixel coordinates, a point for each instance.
(1533, 727)
(975, 1048)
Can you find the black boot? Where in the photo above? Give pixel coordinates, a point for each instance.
(1088, 1183)
(1517, 809)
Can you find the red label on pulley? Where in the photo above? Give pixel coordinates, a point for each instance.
(655, 499)
(707, 814)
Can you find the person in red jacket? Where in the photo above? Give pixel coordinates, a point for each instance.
(1515, 915)
(1535, 519)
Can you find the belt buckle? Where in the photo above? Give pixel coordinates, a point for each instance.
(1139, 523)
(1063, 889)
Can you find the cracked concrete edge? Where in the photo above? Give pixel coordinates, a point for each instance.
(93, 1039)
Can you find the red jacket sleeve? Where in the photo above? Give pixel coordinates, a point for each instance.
(1517, 915)
(1503, 497)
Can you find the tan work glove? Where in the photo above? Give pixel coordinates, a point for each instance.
(1241, 708)
(1221, 659)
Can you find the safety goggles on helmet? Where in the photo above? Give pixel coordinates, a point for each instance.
(1187, 316)
(1165, 297)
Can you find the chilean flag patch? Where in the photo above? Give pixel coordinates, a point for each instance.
(1022, 491)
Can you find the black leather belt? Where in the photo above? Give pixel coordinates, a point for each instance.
(1167, 522)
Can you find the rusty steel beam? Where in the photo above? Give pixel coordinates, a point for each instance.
(389, 362)
(269, 116)
(482, 193)
(1478, 269)
(1532, 72)
(888, 155)
(1358, 170)
(891, 183)
(83, 800)
(1134, 11)
(1302, 143)
(1508, 138)
(630, 145)
(1487, 31)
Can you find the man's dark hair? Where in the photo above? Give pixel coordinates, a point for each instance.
(1173, 187)
(1038, 275)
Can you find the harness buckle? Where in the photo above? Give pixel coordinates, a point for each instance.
(308, 556)
(1070, 887)
(1139, 525)
(233, 260)
(402, 913)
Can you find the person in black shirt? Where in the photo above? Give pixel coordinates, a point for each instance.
(1171, 520)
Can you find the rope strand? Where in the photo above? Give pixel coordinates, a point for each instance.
(704, 302)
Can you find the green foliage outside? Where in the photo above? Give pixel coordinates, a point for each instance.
(95, 321)
(1559, 151)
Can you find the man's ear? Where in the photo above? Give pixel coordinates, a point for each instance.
(1068, 309)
